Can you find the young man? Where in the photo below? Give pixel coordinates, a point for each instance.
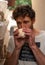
(29, 50)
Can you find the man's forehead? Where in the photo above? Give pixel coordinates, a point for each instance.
(23, 18)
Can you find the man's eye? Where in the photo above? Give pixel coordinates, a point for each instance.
(18, 23)
(25, 22)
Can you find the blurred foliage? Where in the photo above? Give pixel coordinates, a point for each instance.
(21, 2)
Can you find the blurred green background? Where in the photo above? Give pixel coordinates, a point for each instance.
(21, 2)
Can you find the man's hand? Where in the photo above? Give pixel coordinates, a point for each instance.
(30, 36)
(19, 42)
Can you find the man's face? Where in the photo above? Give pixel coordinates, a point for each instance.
(24, 22)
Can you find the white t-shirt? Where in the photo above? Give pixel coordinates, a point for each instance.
(39, 38)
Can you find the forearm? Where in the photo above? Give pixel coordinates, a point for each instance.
(40, 57)
(13, 60)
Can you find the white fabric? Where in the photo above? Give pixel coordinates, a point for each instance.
(11, 45)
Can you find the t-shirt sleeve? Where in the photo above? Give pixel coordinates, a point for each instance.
(11, 45)
(44, 47)
(43, 44)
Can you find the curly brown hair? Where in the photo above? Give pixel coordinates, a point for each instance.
(23, 11)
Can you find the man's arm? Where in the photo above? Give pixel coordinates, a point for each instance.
(40, 57)
(18, 42)
(13, 59)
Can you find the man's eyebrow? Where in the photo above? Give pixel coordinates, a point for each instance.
(18, 21)
(25, 21)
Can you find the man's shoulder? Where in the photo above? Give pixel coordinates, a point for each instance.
(43, 32)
